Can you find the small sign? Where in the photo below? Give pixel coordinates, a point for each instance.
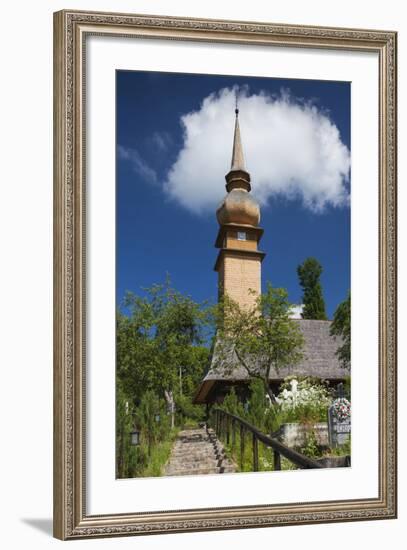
(339, 430)
(343, 427)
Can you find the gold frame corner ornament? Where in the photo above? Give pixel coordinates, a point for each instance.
(70, 31)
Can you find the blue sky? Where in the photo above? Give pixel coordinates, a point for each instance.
(174, 151)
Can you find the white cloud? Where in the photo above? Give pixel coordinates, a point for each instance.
(139, 165)
(292, 149)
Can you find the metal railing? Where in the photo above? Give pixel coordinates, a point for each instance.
(226, 426)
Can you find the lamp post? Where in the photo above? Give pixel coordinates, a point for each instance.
(135, 437)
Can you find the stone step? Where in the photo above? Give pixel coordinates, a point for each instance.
(192, 449)
(198, 451)
(197, 458)
(195, 465)
(182, 467)
(208, 460)
(201, 471)
(187, 455)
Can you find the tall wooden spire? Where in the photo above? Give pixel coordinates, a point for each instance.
(239, 259)
(237, 153)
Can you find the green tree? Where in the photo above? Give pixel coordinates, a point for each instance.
(257, 403)
(232, 403)
(309, 273)
(163, 333)
(262, 339)
(341, 326)
(160, 355)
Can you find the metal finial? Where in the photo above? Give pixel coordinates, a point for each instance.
(237, 152)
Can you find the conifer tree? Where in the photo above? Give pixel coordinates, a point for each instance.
(309, 273)
(341, 326)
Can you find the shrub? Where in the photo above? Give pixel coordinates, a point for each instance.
(257, 404)
(232, 404)
(306, 401)
(187, 412)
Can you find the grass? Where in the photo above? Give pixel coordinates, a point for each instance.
(160, 454)
(342, 450)
(266, 459)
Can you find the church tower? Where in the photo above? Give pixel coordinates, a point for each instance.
(239, 260)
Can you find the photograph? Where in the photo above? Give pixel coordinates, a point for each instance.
(233, 274)
(224, 274)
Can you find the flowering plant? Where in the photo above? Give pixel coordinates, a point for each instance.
(341, 409)
(303, 393)
(304, 400)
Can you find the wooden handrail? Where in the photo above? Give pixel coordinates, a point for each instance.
(296, 458)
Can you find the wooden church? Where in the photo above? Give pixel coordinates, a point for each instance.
(239, 269)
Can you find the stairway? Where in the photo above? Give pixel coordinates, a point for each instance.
(198, 451)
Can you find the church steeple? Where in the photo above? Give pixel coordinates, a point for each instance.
(237, 153)
(239, 260)
(237, 177)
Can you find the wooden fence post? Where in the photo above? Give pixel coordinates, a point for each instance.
(277, 460)
(226, 426)
(255, 454)
(227, 430)
(242, 436)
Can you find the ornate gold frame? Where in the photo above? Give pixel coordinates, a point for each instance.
(70, 31)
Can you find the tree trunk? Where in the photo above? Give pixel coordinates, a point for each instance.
(270, 393)
(169, 397)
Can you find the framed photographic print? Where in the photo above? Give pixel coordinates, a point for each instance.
(225, 274)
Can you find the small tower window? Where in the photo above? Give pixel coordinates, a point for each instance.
(241, 236)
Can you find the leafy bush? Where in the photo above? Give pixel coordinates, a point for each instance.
(257, 404)
(311, 447)
(130, 460)
(232, 404)
(273, 418)
(187, 412)
(306, 401)
(156, 437)
(152, 419)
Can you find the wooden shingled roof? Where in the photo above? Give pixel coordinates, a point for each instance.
(319, 359)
